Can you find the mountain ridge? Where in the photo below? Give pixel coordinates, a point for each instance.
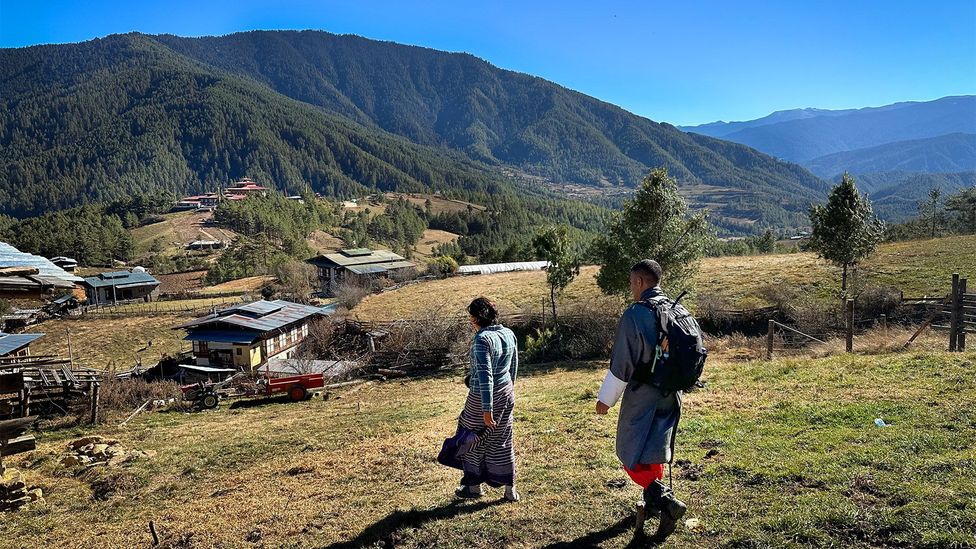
(383, 99)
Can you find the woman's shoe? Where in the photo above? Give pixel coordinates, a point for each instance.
(511, 494)
(469, 492)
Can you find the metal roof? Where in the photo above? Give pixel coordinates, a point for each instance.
(375, 268)
(11, 343)
(12, 257)
(262, 316)
(297, 366)
(205, 369)
(355, 257)
(120, 279)
(221, 336)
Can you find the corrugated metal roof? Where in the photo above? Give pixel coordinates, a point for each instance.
(262, 316)
(12, 257)
(296, 366)
(120, 279)
(10, 343)
(343, 260)
(375, 268)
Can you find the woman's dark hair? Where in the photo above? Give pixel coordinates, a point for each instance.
(484, 312)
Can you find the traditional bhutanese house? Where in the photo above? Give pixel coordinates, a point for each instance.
(16, 344)
(116, 286)
(246, 336)
(356, 265)
(243, 188)
(32, 277)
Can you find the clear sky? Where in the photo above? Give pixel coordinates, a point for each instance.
(684, 62)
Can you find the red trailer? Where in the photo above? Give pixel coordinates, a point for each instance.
(297, 387)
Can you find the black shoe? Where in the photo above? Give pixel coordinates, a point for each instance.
(659, 497)
(671, 512)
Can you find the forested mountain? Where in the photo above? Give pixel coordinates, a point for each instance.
(896, 195)
(806, 134)
(955, 152)
(340, 114)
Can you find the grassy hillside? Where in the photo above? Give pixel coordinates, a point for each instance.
(921, 267)
(781, 454)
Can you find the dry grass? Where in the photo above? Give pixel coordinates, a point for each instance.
(107, 343)
(324, 243)
(251, 284)
(438, 204)
(918, 268)
(176, 231)
(431, 239)
(777, 454)
(512, 292)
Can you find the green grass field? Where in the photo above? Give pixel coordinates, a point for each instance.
(773, 454)
(920, 267)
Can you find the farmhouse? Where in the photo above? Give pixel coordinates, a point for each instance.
(357, 265)
(113, 287)
(246, 336)
(32, 277)
(12, 345)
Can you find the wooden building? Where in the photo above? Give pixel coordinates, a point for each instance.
(25, 276)
(121, 286)
(246, 336)
(357, 265)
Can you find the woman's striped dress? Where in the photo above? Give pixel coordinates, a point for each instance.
(494, 366)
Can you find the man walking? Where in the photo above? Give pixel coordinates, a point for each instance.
(648, 418)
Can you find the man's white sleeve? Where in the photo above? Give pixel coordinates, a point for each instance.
(611, 390)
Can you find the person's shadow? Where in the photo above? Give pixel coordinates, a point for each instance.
(594, 539)
(385, 529)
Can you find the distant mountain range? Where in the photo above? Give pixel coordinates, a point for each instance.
(803, 135)
(897, 153)
(341, 114)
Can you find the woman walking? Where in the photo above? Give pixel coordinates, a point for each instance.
(491, 401)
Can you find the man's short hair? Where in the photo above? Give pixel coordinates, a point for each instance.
(648, 268)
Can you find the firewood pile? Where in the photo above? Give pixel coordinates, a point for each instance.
(412, 362)
(14, 492)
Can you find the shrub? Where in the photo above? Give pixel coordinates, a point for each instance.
(123, 396)
(349, 294)
(443, 266)
(874, 301)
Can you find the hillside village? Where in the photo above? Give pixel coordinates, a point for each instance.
(469, 275)
(115, 353)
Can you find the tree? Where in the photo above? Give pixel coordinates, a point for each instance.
(930, 209)
(766, 244)
(845, 230)
(655, 224)
(963, 204)
(553, 244)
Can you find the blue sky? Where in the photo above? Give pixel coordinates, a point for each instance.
(679, 62)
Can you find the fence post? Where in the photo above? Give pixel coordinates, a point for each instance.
(850, 325)
(954, 313)
(770, 332)
(94, 403)
(961, 317)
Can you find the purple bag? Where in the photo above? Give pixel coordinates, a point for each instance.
(456, 446)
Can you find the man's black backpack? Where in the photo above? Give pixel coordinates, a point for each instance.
(679, 356)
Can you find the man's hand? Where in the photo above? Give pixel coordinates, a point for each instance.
(489, 421)
(602, 408)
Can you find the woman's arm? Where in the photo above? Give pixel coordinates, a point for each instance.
(481, 354)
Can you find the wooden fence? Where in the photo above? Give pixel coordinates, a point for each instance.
(962, 314)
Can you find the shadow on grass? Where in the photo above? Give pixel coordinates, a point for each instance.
(594, 539)
(260, 401)
(385, 529)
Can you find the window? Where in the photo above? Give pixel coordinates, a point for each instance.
(238, 351)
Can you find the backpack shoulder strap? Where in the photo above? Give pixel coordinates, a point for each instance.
(653, 303)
